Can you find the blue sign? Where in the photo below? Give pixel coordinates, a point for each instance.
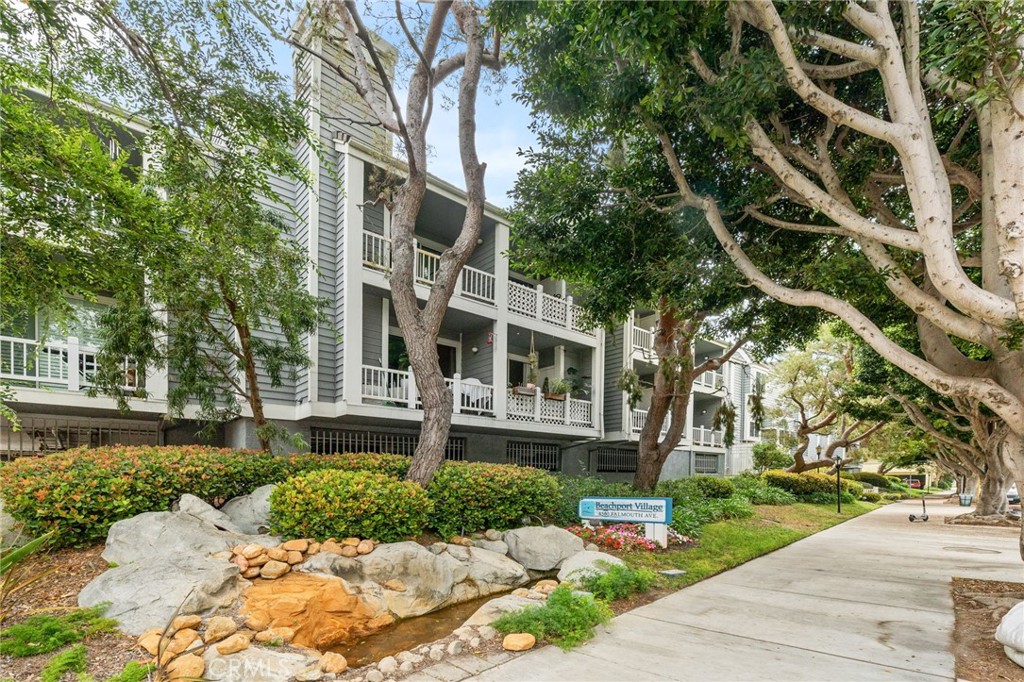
(627, 509)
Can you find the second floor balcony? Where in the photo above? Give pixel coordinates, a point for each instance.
(478, 285)
(62, 364)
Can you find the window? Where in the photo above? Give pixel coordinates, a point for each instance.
(705, 464)
(540, 455)
(616, 460)
(330, 441)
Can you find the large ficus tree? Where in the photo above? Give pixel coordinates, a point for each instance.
(580, 213)
(889, 133)
(185, 244)
(449, 40)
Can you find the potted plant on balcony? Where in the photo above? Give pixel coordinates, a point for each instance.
(557, 389)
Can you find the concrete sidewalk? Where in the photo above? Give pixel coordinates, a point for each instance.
(866, 600)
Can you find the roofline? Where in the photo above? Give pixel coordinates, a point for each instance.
(368, 153)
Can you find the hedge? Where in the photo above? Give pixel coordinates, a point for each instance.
(809, 483)
(573, 488)
(471, 496)
(695, 488)
(338, 504)
(872, 478)
(80, 493)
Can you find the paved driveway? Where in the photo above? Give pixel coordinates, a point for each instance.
(866, 600)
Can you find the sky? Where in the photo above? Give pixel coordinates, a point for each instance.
(502, 130)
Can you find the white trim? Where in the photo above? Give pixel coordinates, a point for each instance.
(352, 282)
(313, 227)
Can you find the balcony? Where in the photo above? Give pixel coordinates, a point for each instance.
(637, 420)
(536, 408)
(713, 379)
(473, 284)
(397, 388)
(643, 341)
(61, 364)
(707, 437)
(534, 303)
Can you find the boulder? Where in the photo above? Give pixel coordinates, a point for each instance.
(161, 537)
(274, 569)
(218, 628)
(11, 531)
(187, 667)
(493, 535)
(492, 546)
(495, 608)
(295, 545)
(233, 644)
(251, 512)
(257, 664)
(333, 663)
(522, 641)
(190, 504)
(1010, 634)
(428, 578)
(489, 572)
(146, 594)
(542, 548)
(587, 563)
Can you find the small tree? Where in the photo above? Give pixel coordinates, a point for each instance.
(768, 455)
(450, 40)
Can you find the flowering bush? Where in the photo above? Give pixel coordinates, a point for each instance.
(624, 537)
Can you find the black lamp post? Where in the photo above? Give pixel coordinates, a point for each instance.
(839, 467)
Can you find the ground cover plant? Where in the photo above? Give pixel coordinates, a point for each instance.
(567, 618)
(615, 581)
(44, 633)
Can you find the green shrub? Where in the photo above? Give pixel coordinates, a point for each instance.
(335, 503)
(828, 498)
(573, 488)
(618, 582)
(133, 671)
(693, 515)
(871, 497)
(81, 493)
(757, 491)
(695, 488)
(768, 455)
(566, 619)
(45, 633)
(396, 466)
(471, 496)
(892, 497)
(70, 661)
(872, 478)
(808, 483)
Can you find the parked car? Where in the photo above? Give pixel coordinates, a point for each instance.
(1012, 496)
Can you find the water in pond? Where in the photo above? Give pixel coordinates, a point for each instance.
(409, 634)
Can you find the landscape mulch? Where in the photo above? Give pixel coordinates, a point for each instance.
(979, 605)
(68, 571)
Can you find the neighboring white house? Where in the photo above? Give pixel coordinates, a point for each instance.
(358, 395)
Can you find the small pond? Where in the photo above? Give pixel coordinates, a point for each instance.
(409, 633)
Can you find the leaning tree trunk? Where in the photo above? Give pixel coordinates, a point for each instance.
(1015, 454)
(437, 409)
(252, 384)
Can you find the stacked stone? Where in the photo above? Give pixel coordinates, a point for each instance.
(257, 561)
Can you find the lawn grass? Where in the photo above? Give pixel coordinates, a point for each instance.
(727, 544)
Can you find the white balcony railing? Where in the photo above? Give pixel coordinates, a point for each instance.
(638, 419)
(397, 388)
(534, 302)
(475, 284)
(707, 437)
(60, 364)
(643, 340)
(536, 408)
(713, 379)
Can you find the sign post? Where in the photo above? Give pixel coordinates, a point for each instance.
(654, 512)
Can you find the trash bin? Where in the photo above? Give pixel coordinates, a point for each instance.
(966, 500)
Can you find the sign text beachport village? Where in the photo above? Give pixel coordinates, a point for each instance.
(627, 509)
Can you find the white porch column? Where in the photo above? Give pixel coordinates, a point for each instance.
(352, 238)
(499, 338)
(73, 363)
